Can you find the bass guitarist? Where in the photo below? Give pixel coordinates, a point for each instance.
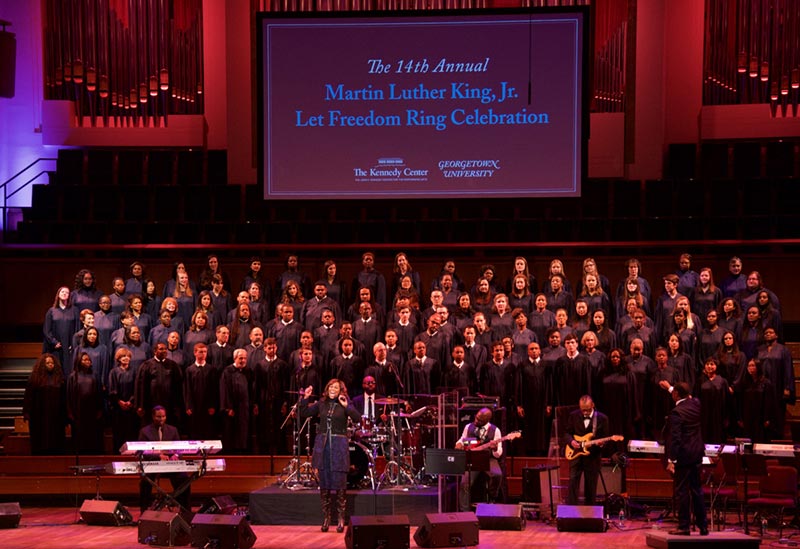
(582, 422)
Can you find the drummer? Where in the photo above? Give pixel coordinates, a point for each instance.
(365, 403)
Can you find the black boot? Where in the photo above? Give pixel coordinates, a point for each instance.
(325, 495)
(341, 507)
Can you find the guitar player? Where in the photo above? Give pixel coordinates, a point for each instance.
(477, 433)
(580, 423)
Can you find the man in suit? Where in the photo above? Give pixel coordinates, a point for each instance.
(582, 422)
(685, 451)
(159, 430)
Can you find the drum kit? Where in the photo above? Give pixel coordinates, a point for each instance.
(401, 439)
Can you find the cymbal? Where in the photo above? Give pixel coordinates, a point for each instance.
(389, 401)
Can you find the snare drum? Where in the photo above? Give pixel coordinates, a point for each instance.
(364, 429)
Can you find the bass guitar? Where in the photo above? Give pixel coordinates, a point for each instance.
(485, 445)
(586, 443)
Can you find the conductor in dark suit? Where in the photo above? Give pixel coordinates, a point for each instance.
(586, 420)
(159, 430)
(685, 451)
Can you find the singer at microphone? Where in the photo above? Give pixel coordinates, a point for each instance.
(331, 456)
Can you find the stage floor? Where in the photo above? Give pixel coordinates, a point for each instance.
(281, 506)
(56, 528)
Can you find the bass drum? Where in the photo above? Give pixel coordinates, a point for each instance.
(361, 462)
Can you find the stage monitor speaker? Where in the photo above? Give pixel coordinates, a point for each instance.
(99, 512)
(163, 528)
(383, 531)
(9, 515)
(222, 532)
(8, 62)
(219, 505)
(498, 516)
(447, 530)
(580, 518)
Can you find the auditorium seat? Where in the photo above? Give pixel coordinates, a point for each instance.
(190, 167)
(168, 203)
(714, 161)
(658, 198)
(160, 168)
(69, 167)
(130, 167)
(226, 203)
(105, 203)
(218, 168)
(747, 159)
(627, 198)
(780, 159)
(100, 167)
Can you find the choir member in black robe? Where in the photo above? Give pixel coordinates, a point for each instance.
(314, 308)
(60, 323)
(106, 321)
(755, 400)
(366, 329)
(294, 274)
(405, 329)
(419, 370)
(620, 400)
(474, 353)
(491, 375)
(287, 332)
(659, 400)
(682, 363)
(736, 281)
(706, 296)
(44, 406)
(159, 382)
(642, 368)
(121, 392)
(85, 294)
(235, 403)
(326, 337)
(535, 402)
(201, 396)
(714, 395)
(347, 367)
(572, 376)
(85, 407)
(541, 319)
(305, 374)
(776, 362)
(271, 400)
(460, 374)
(220, 353)
(710, 338)
(368, 277)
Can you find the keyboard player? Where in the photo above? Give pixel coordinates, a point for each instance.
(160, 430)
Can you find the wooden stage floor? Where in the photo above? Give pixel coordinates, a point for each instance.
(56, 528)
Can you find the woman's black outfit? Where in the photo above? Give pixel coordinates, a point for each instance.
(331, 455)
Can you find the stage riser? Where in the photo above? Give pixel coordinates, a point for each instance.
(715, 540)
(274, 505)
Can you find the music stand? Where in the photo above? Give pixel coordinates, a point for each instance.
(444, 462)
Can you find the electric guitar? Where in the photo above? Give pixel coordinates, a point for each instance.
(586, 443)
(484, 446)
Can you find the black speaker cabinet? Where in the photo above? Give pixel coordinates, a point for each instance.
(163, 528)
(99, 512)
(222, 531)
(580, 518)
(220, 505)
(496, 516)
(538, 483)
(448, 530)
(9, 515)
(378, 531)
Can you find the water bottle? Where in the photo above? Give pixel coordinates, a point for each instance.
(622, 516)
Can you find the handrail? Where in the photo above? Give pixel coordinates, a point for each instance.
(7, 196)
(23, 170)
